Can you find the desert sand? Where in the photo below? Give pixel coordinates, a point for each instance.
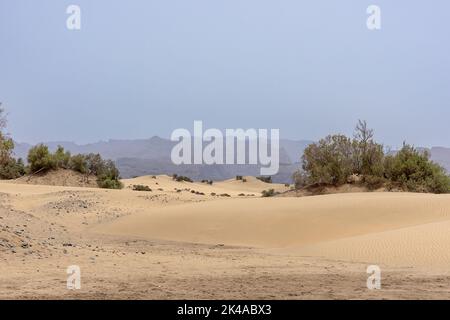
(171, 243)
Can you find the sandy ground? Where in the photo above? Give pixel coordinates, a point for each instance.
(172, 244)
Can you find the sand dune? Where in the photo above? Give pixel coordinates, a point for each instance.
(386, 227)
(234, 187)
(425, 246)
(158, 244)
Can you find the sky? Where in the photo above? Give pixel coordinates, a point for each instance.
(141, 68)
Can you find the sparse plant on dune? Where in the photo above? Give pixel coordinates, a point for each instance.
(140, 187)
(181, 178)
(268, 193)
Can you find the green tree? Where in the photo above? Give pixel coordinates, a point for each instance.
(330, 161)
(6, 143)
(61, 158)
(367, 154)
(413, 170)
(10, 168)
(40, 159)
(78, 163)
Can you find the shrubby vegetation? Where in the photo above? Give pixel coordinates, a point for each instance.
(40, 159)
(10, 168)
(268, 193)
(181, 178)
(337, 159)
(413, 171)
(140, 187)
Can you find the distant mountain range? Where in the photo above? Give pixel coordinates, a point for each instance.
(152, 157)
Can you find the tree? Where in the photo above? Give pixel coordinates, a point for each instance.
(78, 163)
(3, 121)
(330, 161)
(6, 143)
(414, 171)
(40, 159)
(109, 176)
(10, 168)
(62, 158)
(94, 164)
(367, 154)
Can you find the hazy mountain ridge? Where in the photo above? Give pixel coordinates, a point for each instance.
(152, 156)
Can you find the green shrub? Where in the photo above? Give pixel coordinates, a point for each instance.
(140, 187)
(78, 163)
(40, 159)
(300, 179)
(108, 176)
(329, 161)
(12, 169)
(61, 158)
(413, 171)
(367, 154)
(94, 164)
(373, 182)
(108, 183)
(182, 178)
(336, 158)
(268, 193)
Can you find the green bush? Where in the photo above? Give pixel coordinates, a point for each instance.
(336, 158)
(108, 183)
(268, 193)
(140, 187)
(413, 171)
(40, 159)
(330, 161)
(78, 163)
(12, 169)
(373, 182)
(61, 158)
(367, 154)
(108, 176)
(182, 178)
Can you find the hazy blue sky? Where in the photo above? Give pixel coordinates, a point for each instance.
(143, 68)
